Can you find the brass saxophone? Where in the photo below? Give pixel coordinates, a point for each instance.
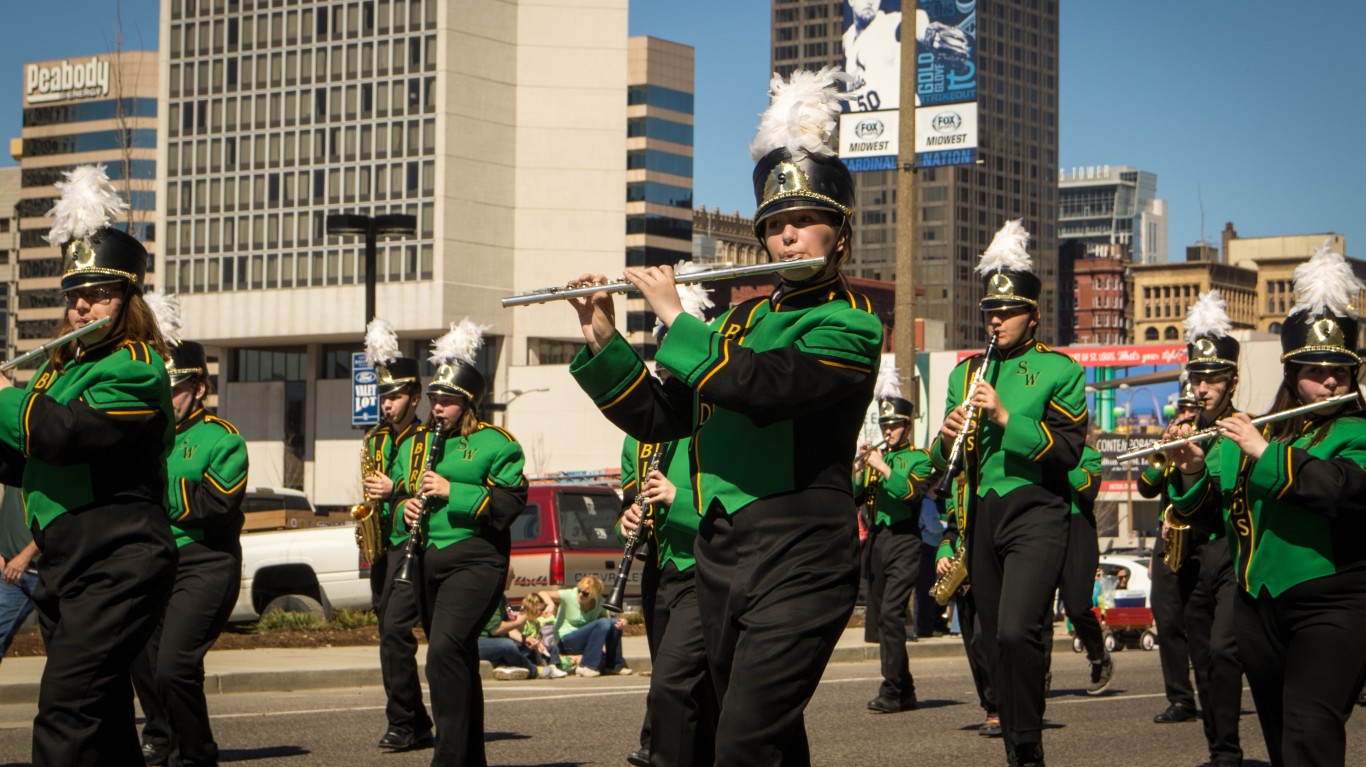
(1176, 541)
(953, 582)
(369, 536)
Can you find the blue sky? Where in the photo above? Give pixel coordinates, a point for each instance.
(1257, 113)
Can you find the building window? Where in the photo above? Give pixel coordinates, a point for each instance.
(1150, 334)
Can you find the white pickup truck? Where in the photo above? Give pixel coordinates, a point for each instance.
(301, 569)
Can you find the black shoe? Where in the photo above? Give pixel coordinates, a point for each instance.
(1027, 755)
(1224, 762)
(885, 705)
(640, 757)
(399, 740)
(1176, 712)
(156, 754)
(1101, 674)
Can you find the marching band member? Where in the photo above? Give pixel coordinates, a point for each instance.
(1079, 570)
(90, 436)
(466, 480)
(1027, 435)
(1212, 369)
(969, 622)
(1293, 500)
(208, 482)
(772, 394)
(895, 484)
(681, 700)
(1171, 589)
(400, 391)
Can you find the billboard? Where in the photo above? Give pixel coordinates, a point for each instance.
(945, 83)
(872, 56)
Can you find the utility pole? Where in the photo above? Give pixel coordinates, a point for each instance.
(907, 192)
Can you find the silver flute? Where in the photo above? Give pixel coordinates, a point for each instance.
(544, 295)
(1214, 431)
(54, 343)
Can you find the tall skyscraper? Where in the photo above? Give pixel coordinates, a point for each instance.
(1107, 205)
(959, 208)
(500, 127)
(95, 109)
(659, 152)
(9, 255)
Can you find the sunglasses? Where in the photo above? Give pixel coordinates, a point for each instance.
(91, 295)
(583, 593)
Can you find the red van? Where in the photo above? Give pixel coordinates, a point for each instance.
(566, 532)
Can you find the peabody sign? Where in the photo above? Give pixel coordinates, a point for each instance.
(63, 81)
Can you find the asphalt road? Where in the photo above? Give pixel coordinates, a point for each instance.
(595, 721)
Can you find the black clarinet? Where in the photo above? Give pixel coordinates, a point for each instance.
(955, 463)
(405, 569)
(633, 541)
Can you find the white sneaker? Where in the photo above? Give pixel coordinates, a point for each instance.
(623, 671)
(507, 673)
(554, 672)
(586, 671)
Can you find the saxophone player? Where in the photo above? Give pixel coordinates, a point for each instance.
(1028, 434)
(409, 725)
(895, 484)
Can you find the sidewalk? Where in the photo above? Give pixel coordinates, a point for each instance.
(274, 669)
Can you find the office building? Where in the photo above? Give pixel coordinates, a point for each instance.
(1103, 206)
(88, 109)
(659, 144)
(9, 254)
(959, 208)
(500, 128)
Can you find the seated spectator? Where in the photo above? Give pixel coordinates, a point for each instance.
(501, 643)
(18, 558)
(582, 626)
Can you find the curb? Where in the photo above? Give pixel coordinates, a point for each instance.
(284, 680)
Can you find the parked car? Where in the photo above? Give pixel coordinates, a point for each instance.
(566, 532)
(296, 559)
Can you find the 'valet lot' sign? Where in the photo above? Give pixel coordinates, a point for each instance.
(63, 81)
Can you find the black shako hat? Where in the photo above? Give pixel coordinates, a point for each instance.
(93, 250)
(1209, 347)
(1322, 328)
(396, 374)
(187, 361)
(1007, 272)
(893, 409)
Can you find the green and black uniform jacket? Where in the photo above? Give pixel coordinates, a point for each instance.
(773, 393)
(1085, 481)
(1206, 517)
(896, 498)
(387, 447)
(488, 489)
(96, 430)
(1296, 513)
(1044, 392)
(208, 472)
(672, 534)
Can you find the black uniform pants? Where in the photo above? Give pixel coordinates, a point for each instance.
(681, 704)
(1171, 589)
(928, 613)
(169, 673)
(104, 579)
(462, 585)
(1015, 551)
(398, 614)
(1306, 663)
(776, 583)
(893, 566)
(655, 624)
(1210, 632)
(1077, 583)
(970, 624)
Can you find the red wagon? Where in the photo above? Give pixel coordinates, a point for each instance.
(1123, 627)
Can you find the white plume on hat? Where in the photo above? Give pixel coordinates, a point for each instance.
(803, 113)
(87, 204)
(1326, 284)
(166, 309)
(888, 380)
(381, 342)
(459, 344)
(695, 298)
(1007, 250)
(1207, 318)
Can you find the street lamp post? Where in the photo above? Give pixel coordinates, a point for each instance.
(371, 227)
